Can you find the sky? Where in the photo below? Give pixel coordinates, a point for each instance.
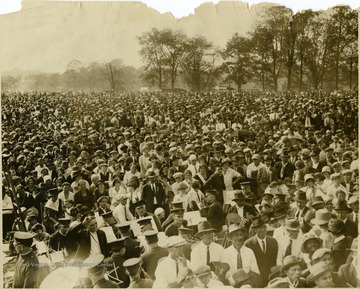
(47, 38)
(180, 8)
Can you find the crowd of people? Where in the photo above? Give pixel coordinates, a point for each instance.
(180, 190)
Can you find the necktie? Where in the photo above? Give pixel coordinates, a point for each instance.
(263, 246)
(239, 260)
(288, 249)
(177, 268)
(356, 218)
(208, 255)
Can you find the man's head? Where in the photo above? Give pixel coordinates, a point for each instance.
(205, 232)
(210, 196)
(132, 267)
(291, 268)
(259, 226)
(23, 242)
(239, 199)
(90, 223)
(178, 215)
(140, 208)
(237, 235)
(321, 275)
(64, 225)
(175, 247)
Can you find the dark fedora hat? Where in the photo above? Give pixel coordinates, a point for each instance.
(204, 227)
(300, 196)
(292, 224)
(258, 221)
(239, 196)
(280, 211)
(341, 206)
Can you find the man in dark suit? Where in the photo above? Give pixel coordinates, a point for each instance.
(133, 158)
(264, 247)
(88, 238)
(341, 243)
(284, 168)
(153, 193)
(214, 212)
(115, 268)
(302, 212)
(347, 272)
(308, 169)
(353, 202)
(216, 182)
(243, 210)
(150, 258)
(350, 227)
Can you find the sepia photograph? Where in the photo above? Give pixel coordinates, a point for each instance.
(143, 149)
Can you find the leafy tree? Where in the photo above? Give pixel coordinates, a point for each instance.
(199, 66)
(163, 52)
(342, 33)
(237, 56)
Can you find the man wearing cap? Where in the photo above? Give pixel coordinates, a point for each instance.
(115, 268)
(213, 212)
(103, 203)
(153, 193)
(27, 266)
(134, 270)
(141, 212)
(132, 246)
(168, 268)
(178, 220)
(150, 258)
(206, 251)
(292, 270)
(237, 255)
(96, 272)
(265, 248)
(321, 275)
(59, 240)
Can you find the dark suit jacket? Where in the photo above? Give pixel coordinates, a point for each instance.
(347, 274)
(350, 229)
(215, 215)
(288, 170)
(264, 260)
(340, 253)
(82, 237)
(151, 258)
(148, 196)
